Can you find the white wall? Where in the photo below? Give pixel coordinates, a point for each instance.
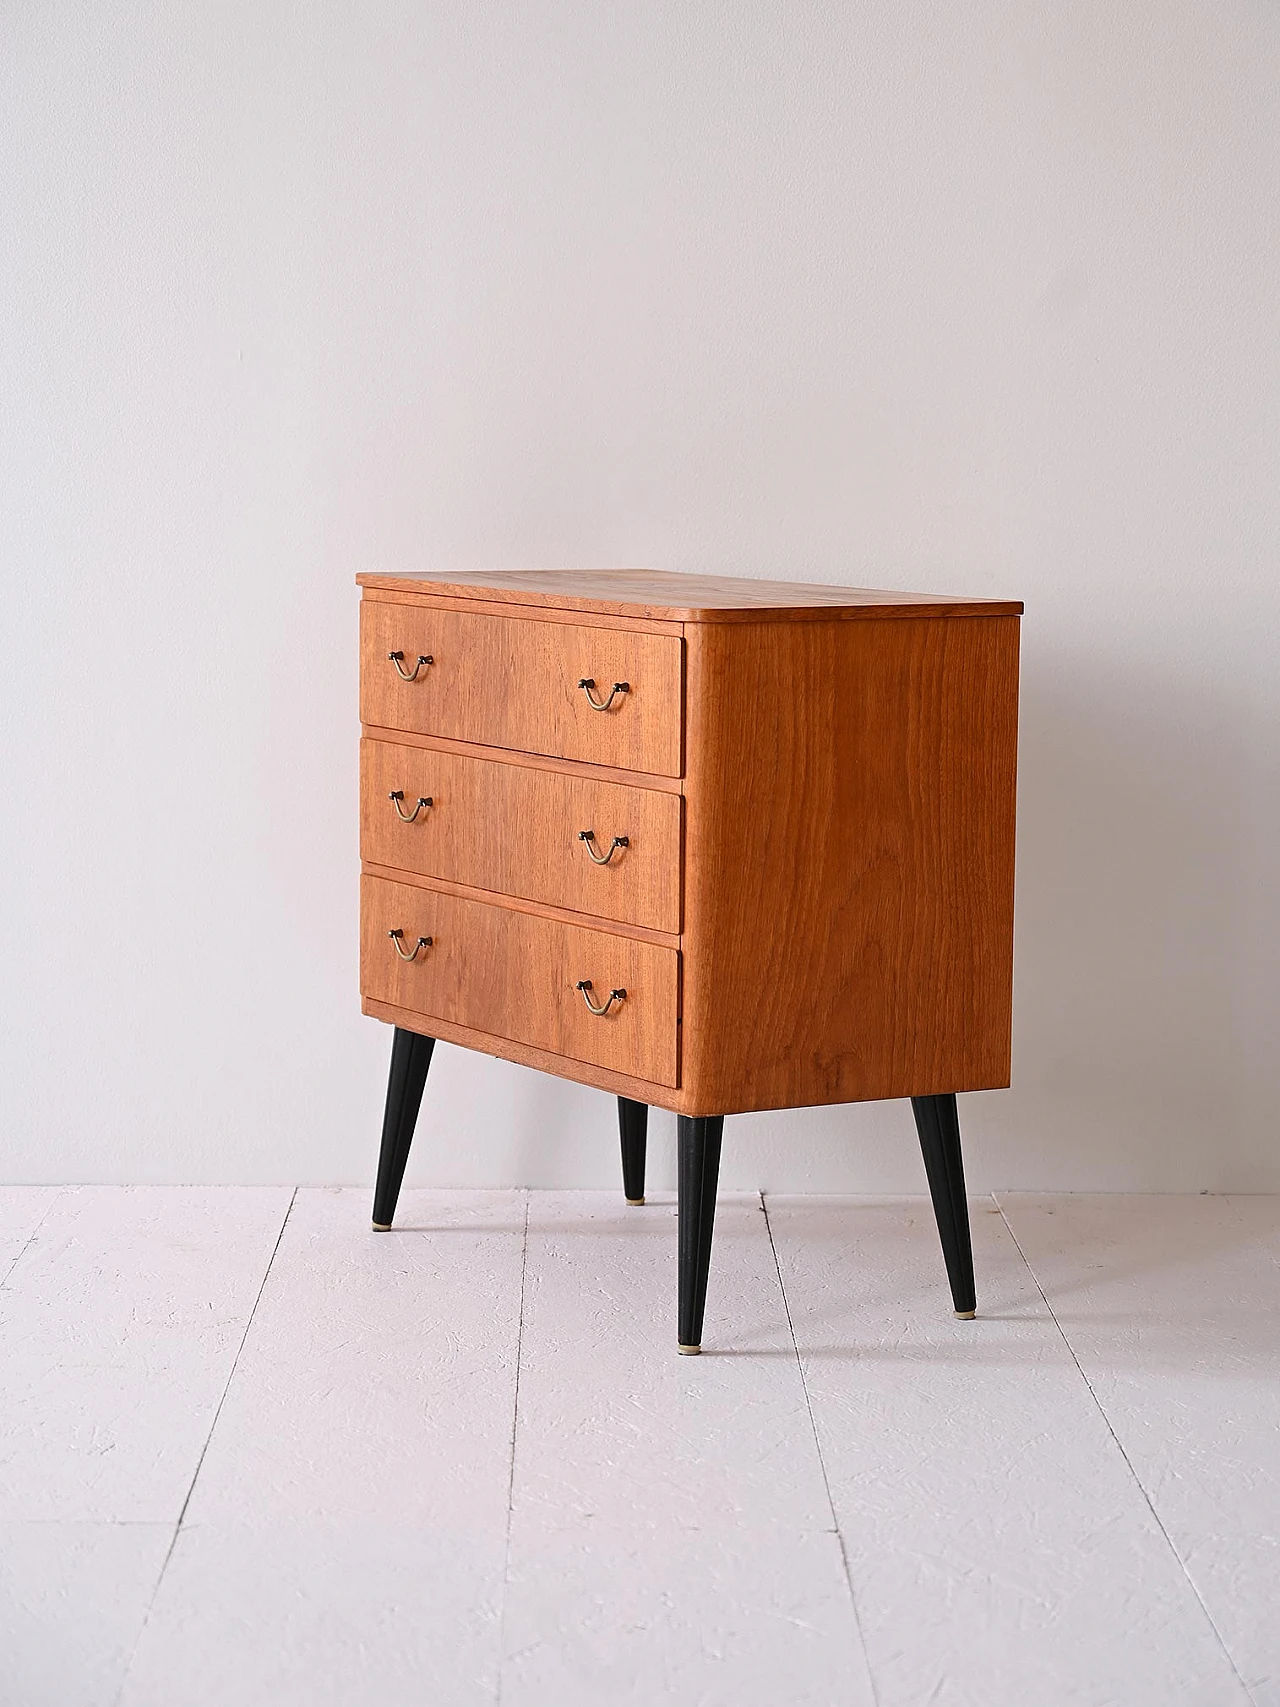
(966, 297)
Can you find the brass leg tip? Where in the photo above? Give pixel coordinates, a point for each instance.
(689, 1350)
(382, 1226)
(965, 1315)
(636, 1202)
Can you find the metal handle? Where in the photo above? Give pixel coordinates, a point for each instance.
(589, 682)
(397, 795)
(589, 836)
(397, 937)
(397, 658)
(584, 984)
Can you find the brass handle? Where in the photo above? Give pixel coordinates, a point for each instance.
(589, 836)
(584, 984)
(397, 658)
(397, 795)
(397, 937)
(589, 682)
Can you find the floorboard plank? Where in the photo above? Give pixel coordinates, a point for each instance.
(1172, 1307)
(672, 1538)
(1000, 1551)
(323, 1612)
(346, 1537)
(615, 1426)
(73, 1597)
(378, 1380)
(724, 1617)
(118, 1331)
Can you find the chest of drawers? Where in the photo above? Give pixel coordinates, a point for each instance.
(708, 845)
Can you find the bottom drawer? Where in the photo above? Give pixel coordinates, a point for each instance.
(515, 975)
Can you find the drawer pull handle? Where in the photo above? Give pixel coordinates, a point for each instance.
(397, 938)
(584, 984)
(397, 795)
(588, 683)
(589, 836)
(397, 658)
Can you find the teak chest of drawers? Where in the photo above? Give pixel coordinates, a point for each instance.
(710, 845)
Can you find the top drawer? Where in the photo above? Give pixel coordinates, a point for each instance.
(512, 682)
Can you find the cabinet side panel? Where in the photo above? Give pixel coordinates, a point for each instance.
(850, 855)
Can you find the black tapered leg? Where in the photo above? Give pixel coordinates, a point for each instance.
(633, 1125)
(410, 1058)
(699, 1170)
(939, 1127)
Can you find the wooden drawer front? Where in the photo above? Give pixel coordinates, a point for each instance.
(513, 975)
(510, 682)
(517, 831)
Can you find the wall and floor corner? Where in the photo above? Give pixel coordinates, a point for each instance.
(975, 299)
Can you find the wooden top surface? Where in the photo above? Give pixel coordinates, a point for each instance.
(683, 598)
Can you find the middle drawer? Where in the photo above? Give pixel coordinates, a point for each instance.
(516, 830)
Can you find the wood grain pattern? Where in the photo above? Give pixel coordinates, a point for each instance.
(849, 846)
(540, 909)
(505, 682)
(533, 761)
(513, 975)
(406, 593)
(510, 829)
(526, 1055)
(657, 593)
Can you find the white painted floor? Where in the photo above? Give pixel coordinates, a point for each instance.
(251, 1452)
